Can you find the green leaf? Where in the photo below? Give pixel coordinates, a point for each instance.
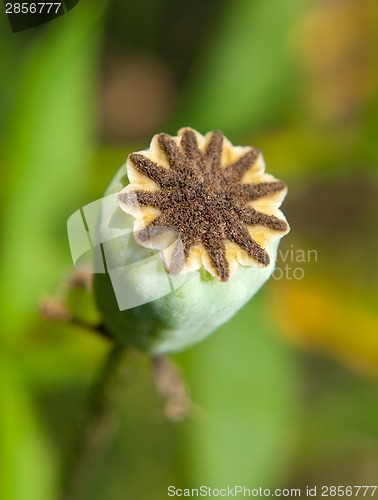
(245, 381)
(244, 77)
(48, 149)
(28, 466)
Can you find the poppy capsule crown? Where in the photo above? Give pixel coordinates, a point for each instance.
(214, 198)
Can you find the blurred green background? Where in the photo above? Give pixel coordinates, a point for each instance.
(286, 394)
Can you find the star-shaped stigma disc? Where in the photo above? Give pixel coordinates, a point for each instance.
(213, 197)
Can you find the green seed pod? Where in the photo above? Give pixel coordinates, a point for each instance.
(191, 230)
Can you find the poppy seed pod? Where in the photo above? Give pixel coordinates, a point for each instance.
(191, 230)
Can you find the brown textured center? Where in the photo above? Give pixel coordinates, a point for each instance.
(202, 201)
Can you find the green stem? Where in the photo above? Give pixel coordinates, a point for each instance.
(96, 427)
